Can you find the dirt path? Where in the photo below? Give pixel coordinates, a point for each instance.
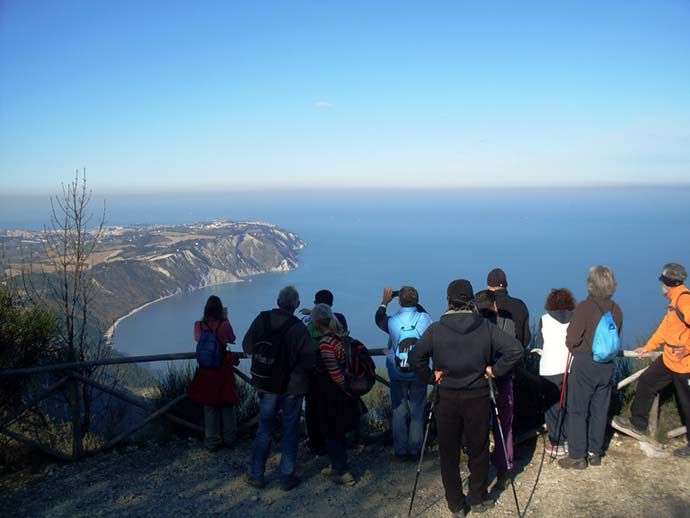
(182, 479)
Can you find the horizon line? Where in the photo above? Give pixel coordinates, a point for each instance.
(118, 191)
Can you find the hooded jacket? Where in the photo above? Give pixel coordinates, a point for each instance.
(672, 333)
(462, 345)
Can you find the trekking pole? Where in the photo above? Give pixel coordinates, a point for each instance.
(561, 405)
(492, 393)
(434, 395)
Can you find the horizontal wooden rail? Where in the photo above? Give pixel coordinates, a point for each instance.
(73, 371)
(161, 411)
(136, 402)
(676, 432)
(87, 364)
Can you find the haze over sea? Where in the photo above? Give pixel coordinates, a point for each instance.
(360, 241)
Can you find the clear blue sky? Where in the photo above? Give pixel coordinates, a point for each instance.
(167, 95)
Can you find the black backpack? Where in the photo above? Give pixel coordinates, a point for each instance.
(271, 356)
(360, 371)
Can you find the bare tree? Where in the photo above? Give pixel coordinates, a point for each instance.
(66, 284)
(69, 243)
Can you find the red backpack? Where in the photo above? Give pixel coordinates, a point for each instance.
(360, 371)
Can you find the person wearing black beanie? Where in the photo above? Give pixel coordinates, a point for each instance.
(464, 348)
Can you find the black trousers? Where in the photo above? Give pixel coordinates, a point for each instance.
(653, 381)
(459, 417)
(555, 416)
(589, 396)
(316, 437)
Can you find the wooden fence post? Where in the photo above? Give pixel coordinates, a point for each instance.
(75, 405)
(654, 417)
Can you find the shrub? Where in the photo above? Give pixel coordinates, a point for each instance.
(26, 340)
(172, 384)
(27, 334)
(378, 402)
(175, 381)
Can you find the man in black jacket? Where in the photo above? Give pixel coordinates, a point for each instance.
(280, 326)
(465, 348)
(509, 310)
(509, 307)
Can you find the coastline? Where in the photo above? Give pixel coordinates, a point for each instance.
(108, 335)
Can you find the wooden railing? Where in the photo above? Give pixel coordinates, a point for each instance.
(72, 378)
(654, 413)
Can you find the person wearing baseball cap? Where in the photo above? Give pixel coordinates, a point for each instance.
(465, 348)
(674, 364)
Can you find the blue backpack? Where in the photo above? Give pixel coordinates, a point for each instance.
(606, 342)
(208, 351)
(406, 341)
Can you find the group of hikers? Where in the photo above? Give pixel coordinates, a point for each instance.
(476, 345)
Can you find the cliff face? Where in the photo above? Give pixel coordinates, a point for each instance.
(162, 261)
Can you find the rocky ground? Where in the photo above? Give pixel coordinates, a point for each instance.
(182, 479)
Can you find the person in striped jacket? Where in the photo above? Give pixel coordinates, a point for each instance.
(337, 410)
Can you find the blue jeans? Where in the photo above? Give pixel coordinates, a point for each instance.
(407, 399)
(269, 405)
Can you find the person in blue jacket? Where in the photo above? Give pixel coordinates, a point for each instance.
(408, 394)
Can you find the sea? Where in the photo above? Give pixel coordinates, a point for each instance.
(359, 242)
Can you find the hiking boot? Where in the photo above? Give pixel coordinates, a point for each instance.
(290, 482)
(346, 479)
(328, 472)
(462, 512)
(258, 483)
(593, 459)
(213, 445)
(557, 451)
(570, 463)
(481, 508)
(488, 503)
(399, 459)
(683, 453)
(502, 481)
(626, 424)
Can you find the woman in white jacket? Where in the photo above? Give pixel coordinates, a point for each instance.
(551, 334)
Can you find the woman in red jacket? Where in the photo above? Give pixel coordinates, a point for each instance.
(216, 388)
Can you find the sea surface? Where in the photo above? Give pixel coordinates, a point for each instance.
(358, 242)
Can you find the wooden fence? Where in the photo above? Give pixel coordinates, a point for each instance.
(72, 379)
(654, 413)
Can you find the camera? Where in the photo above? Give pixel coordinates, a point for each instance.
(395, 293)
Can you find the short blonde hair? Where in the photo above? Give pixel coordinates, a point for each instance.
(601, 282)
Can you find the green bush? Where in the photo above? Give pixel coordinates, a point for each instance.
(27, 335)
(378, 403)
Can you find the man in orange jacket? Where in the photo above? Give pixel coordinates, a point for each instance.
(674, 365)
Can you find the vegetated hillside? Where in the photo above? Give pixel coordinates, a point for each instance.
(187, 258)
(135, 265)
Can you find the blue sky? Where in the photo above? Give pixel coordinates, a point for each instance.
(230, 95)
